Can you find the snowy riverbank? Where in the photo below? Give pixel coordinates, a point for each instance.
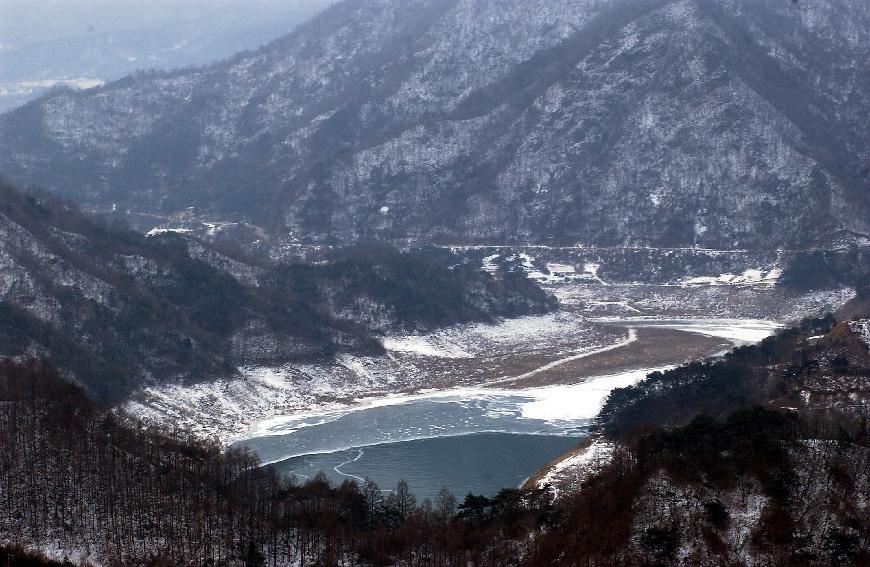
(552, 409)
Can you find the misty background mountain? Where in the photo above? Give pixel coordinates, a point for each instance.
(719, 124)
(85, 43)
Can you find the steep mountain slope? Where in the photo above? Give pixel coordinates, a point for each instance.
(722, 124)
(686, 471)
(119, 310)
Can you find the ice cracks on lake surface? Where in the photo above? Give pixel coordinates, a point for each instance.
(558, 409)
(553, 410)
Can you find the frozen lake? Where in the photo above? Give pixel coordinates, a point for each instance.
(467, 439)
(481, 463)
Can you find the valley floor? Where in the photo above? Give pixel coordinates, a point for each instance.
(602, 328)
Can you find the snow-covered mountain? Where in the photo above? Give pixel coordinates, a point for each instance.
(118, 310)
(726, 123)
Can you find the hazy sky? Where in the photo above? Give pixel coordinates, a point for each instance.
(27, 21)
(81, 43)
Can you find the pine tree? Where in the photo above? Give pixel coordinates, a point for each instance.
(254, 558)
(403, 500)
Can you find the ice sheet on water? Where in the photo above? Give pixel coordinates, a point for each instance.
(576, 403)
(552, 410)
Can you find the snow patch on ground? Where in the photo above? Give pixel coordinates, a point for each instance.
(592, 271)
(556, 273)
(745, 512)
(503, 338)
(159, 231)
(559, 274)
(488, 264)
(561, 269)
(56, 552)
(425, 346)
(224, 408)
(862, 328)
(577, 466)
(748, 277)
(738, 332)
(213, 228)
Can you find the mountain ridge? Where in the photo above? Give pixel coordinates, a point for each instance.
(118, 310)
(664, 122)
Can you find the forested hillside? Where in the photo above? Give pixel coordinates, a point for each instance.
(713, 123)
(15, 555)
(118, 310)
(98, 486)
(757, 487)
(820, 365)
(772, 485)
(760, 457)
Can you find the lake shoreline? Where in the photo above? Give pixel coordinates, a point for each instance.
(557, 397)
(655, 345)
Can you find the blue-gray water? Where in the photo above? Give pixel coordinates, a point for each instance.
(468, 440)
(438, 414)
(481, 463)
